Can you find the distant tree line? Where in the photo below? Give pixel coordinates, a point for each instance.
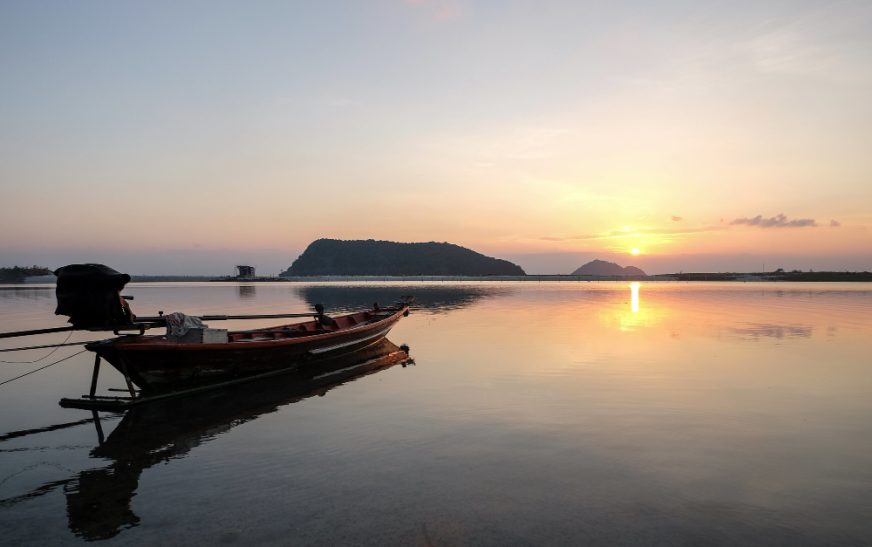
(17, 274)
(777, 275)
(823, 276)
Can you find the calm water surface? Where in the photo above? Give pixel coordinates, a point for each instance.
(537, 413)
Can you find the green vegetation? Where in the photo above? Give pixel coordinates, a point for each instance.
(370, 257)
(17, 274)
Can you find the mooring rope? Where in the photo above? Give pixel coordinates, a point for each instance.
(42, 367)
(46, 356)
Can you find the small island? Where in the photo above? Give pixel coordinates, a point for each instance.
(17, 274)
(389, 258)
(601, 268)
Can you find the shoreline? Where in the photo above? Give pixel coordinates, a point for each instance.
(775, 277)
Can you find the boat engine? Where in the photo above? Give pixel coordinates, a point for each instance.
(90, 295)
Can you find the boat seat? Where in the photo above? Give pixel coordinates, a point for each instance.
(326, 321)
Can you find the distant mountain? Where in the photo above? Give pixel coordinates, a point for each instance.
(370, 257)
(601, 267)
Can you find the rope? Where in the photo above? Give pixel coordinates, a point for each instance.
(42, 367)
(46, 356)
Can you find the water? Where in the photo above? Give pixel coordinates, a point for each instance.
(536, 413)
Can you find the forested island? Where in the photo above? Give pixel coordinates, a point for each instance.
(608, 269)
(388, 258)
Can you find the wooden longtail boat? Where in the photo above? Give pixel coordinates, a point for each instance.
(159, 363)
(191, 358)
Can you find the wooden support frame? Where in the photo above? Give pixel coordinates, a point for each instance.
(127, 379)
(105, 403)
(95, 375)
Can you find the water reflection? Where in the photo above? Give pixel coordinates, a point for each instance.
(757, 330)
(634, 297)
(25, 292)
(433, 299)
(630, 314)
(247, 291)
(99, 500)
(682, 413)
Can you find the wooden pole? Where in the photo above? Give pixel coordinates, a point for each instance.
(95, 375)
(44, 346)
(266, 316)
(162, 319)
(127, 379)
(158, 320)
(100, 437)
(36, 331)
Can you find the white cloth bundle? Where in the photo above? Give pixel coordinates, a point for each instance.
(178, 324)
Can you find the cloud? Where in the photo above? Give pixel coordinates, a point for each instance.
(778, 221)
(618, 234)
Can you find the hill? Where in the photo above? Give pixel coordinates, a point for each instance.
(603, 268)
(370, 257)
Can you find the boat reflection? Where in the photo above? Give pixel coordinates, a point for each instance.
(429, 298)
(753, 331)
(99, 500)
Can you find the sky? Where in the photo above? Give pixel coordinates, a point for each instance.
(186, 137)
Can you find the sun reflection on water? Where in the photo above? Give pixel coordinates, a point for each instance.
(632, 315)
(634, 296)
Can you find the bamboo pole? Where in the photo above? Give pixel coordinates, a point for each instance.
(35, 331)
(159, 320)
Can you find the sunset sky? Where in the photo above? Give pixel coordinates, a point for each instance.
(185, 137)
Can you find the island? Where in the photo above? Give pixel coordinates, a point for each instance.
(17, 274)
(388, 258)
(601, 268)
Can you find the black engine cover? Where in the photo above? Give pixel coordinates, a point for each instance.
(90, 295)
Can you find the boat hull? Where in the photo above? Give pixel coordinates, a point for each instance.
(157, 366)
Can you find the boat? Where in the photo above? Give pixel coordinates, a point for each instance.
(163, 362)
(191, 357)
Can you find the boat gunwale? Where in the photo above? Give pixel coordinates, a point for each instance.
(158, 343)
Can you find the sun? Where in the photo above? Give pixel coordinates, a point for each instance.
(635, 251)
